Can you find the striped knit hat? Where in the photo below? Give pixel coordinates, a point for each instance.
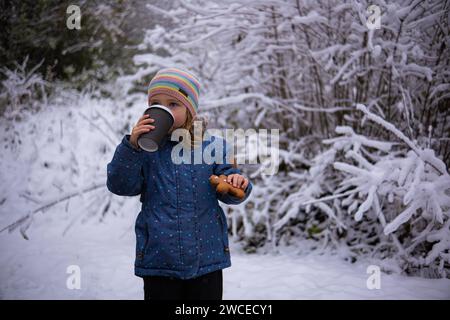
(177, 83)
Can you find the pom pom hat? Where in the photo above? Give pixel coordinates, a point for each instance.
(178, 83)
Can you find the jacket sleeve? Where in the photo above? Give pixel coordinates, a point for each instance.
(227, 168)
(124, 173)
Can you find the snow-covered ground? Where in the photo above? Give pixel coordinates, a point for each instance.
(37, 269)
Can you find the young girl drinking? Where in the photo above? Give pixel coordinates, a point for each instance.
(181, 230)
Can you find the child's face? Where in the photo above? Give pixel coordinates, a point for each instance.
(178, 109)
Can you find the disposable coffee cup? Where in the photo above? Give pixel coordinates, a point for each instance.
(164, 119)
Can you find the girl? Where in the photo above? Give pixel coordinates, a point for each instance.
(181, 230)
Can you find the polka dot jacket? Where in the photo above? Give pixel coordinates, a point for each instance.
(181, 230)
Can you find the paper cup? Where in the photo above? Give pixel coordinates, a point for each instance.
(164, 119)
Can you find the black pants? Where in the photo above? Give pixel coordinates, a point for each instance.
(206, 287)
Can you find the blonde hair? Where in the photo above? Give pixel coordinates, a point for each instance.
(189, 125)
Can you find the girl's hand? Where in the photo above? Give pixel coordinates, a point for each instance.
(141, 127)
(237, 181)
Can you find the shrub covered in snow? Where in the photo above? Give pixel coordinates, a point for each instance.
(21, 89)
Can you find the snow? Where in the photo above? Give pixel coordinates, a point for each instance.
(104, 251)
(319, 277)
(372, 180)
(310, 18)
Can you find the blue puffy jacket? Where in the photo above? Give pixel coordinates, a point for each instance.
(181, 230)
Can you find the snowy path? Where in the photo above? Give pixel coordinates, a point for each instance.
(36, 269)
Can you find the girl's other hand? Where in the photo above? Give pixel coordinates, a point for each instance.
(237, 181)
(142, 126)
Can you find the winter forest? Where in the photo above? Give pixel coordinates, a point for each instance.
(358, 90)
